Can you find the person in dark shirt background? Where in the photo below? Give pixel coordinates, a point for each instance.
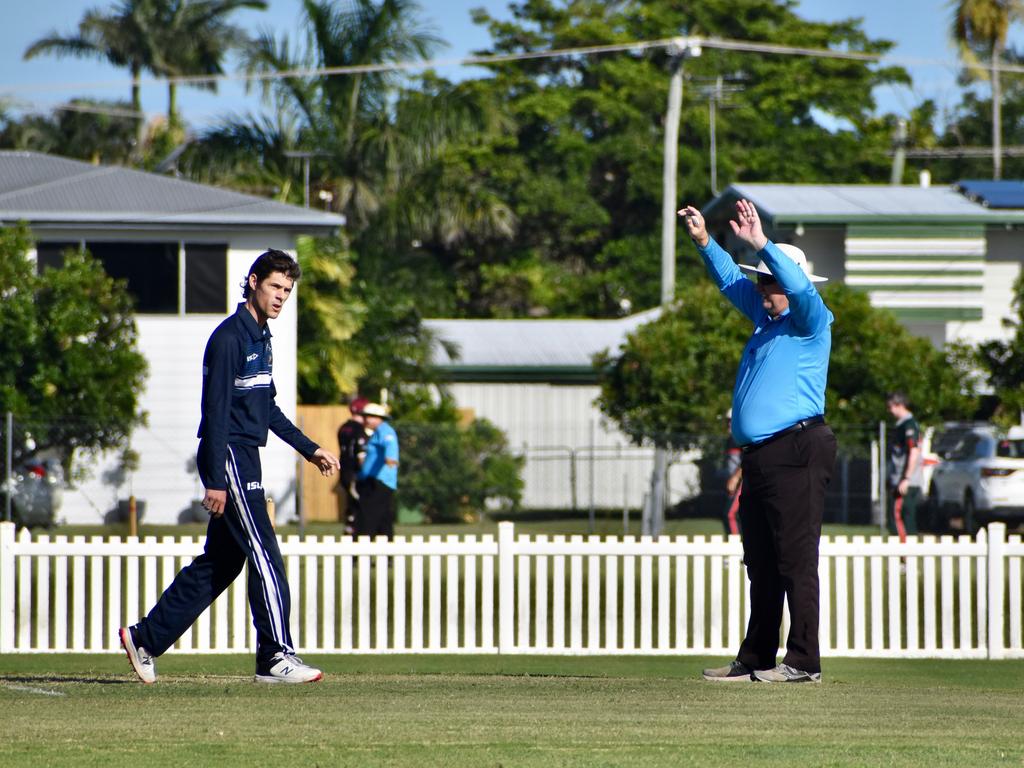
(352, 439)
(238, 409)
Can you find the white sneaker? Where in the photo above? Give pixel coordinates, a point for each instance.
(140, 659)
(286, 668)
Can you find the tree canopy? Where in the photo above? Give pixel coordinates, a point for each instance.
(672, 380)
(71, 372)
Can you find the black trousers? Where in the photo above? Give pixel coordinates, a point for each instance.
(243, 534)
(781, 508)
(376, 515)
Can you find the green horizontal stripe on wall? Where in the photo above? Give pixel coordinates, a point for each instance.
(911, 232)
(565, 374)
(855, 273)
(913, 288)
(966, 258)
(936, 314)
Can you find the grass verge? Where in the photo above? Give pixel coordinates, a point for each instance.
(85, 710)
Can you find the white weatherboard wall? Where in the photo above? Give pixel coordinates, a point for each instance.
(548, 423)
(173, 346)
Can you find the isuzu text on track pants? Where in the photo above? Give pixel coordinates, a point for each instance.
(242, 534)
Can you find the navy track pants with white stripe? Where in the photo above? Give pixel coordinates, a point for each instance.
(242, 534)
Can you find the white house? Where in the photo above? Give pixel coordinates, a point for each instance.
(184, 249)
(943, 259)
(535, 379)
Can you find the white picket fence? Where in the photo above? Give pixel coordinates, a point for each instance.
(938, 598)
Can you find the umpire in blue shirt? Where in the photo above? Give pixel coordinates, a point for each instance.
(788, 451)
(238, 409)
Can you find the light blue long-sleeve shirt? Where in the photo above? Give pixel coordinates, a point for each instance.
(382, 445)
(781, 378)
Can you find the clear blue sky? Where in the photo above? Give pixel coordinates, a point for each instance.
(918, 26)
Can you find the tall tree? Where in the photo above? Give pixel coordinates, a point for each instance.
(70, 369)
(169, 38)
(122, 37)
(673, 378)
(581, 170)
(980, 27)
(193, 39)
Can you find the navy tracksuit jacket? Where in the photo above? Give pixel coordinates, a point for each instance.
(237, 410)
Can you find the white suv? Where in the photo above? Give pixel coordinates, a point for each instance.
(980, 476)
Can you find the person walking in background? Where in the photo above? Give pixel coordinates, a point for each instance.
(733, 480)
(788, 452)
(905, 468)
(352, 439)
(238, 409)
(378, 476)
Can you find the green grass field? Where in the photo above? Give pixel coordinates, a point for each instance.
(506, 711)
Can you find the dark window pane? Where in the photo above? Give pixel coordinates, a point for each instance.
(206, 278)
(51, 255)
(151, 270)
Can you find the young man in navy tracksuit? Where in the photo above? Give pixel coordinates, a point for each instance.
(237, 410)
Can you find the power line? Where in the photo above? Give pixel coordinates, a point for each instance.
(399, 66)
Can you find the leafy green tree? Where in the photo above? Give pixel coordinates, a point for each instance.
(329, 365)
(673, 378)
(873, 354)
(70, 370)
(1003, 362)
(581, 167)
(452, 472)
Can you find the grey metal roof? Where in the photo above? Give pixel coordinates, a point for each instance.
(531, 343)
(45, 189)
(860, 202)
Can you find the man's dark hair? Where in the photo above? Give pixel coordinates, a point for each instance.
(897, 398)
(268, 262)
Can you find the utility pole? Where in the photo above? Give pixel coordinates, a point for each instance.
(305, 156)
(899, 154)
(680, 49)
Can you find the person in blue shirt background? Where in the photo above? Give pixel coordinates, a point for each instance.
(788, 452)
(378, 476)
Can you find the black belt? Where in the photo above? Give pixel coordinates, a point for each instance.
(800, 426)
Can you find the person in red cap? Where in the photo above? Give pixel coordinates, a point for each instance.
(352, 439)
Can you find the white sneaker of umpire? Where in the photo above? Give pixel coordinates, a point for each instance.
(286, 668)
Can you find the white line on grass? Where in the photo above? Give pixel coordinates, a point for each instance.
(30, 689)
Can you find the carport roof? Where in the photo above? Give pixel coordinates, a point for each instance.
(58, 192)
(535, 349)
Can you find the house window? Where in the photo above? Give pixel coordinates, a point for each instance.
(159, 279)
(206, 278)
(51, 255)
(151, 270)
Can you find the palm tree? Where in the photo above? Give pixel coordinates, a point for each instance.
(193, 38)
(348, 118)
(169, 38)
(981, 26)
(121, 37)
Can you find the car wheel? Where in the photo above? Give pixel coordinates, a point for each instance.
(970, 514)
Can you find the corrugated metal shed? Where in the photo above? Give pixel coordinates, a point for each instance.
(844, 203)
(491, 350)
(55, 191)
